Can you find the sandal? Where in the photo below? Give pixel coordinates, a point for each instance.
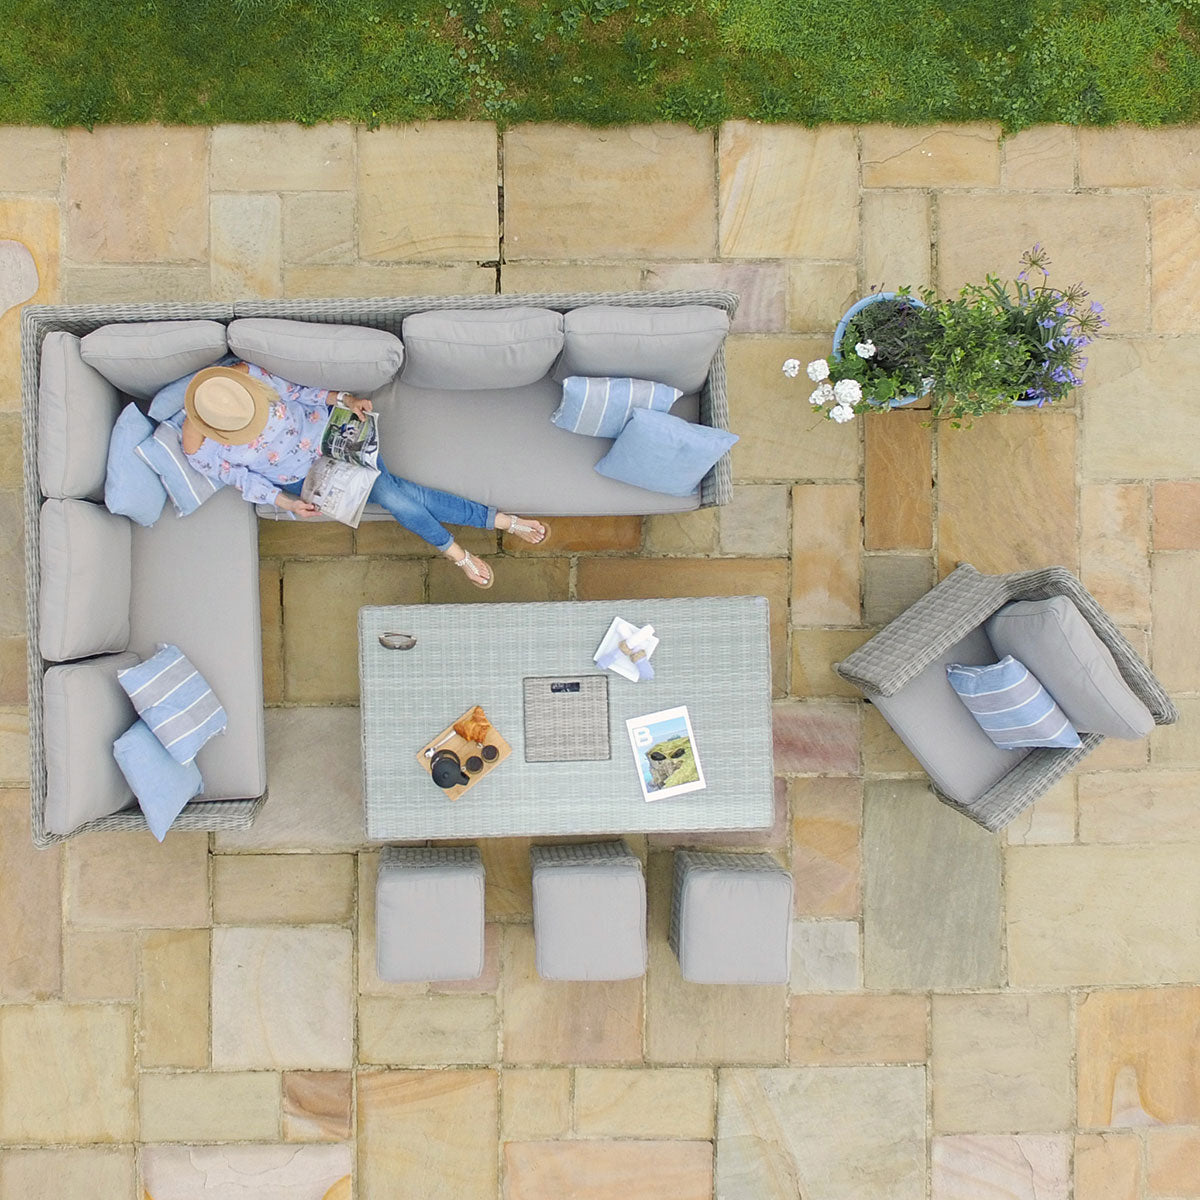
(528, 532)
(478, 572)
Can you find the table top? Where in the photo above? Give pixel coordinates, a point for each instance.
(713, 657)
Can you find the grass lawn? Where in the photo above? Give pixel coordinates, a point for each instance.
(600, 62)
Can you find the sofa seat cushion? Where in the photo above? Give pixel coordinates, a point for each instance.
(83, 597)
(935, 725)
(142, 356)
(470, 349)
(351, 358)
(195, 585)
(494, 434)
(76, 410)
(1053, 638)
(84, 711)
(674, 346)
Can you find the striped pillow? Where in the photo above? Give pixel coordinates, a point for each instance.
(600, 407)
(1011, 706)
(174, 699)
(185, 485)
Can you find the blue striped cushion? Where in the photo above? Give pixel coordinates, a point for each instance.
(1011, 706)
(174, 699)
(185, 485)
(600, 407)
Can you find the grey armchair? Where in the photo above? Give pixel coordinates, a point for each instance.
(901, 670)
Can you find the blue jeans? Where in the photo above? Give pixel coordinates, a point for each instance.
(421, 510)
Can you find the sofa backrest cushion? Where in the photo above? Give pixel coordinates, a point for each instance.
(674, 346)
(466, 350)
(83, 600)
(76, 410)
(350, 358)
(84, 710)
(1054, 640)
(141, 356)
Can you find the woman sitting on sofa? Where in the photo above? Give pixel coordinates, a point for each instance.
(259, 433)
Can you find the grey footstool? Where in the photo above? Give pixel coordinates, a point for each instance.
(589, 911)
(429, 914)
(731, 918)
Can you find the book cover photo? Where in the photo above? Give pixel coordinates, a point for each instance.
(664, 749)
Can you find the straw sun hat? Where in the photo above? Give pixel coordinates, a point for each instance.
(229, 406)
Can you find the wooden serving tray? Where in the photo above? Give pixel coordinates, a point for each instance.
(449, 740)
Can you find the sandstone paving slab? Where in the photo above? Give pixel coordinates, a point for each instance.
(897, 239)
(30, 907)
(391, 540)
(31, 158)
(608, 1170)
(1176, 658)
(1084, 915)
(137, 194)
(281, 998)
(318, 228)
(535, 1103)
(946, 156)
(12, 565)
(819, 293)
(1137, 1057)
(772, 838)
(1178, 745)
(18, 274)
(68, 1074)
(1023, 1166)
(386, 279)
(1173, 1162)
(988, 472)
(815, 737)
(568, 190)
(68, 1173)
(1126, 156)
(34, 223)
(857, 1030)
(826, 568)
(1049, 820)
(100, 964)
(898, 483)
(309, 539)
(826, 956)
(555, 1021)
(787, 192)
(315, 802)
(431, 1134)
(1139, 806)
(696, 533)
(892, 583)
(517, 278)
(428, 192)
(509, 879)
(780, 438)
(589, 534)
(826, 828)
(14, 749)
(662, 1102)
(174, 1009)
(1108, 1166)
(1174, 240)
(761, 287)
(825, 1133)
(1177, 515)
(208, 1106)
(1114, 548)
(296, 889)
(270, 608)
(130, 881)
(1039, 158)
(282, 157)
(1118, 754)
(814, 651)
(1096, 240)
(883, 753)
(268, 1172)
(1001, 1062)
(318, 1106)
(931, 892)
(516, 580)
(427, 1031)
(142, 283)
(246, 246)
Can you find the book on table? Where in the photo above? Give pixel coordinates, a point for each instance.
(341, 477)
(664, 749)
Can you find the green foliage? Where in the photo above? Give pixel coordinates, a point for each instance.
(1019, 62)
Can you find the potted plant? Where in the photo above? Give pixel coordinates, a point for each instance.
(992, 347)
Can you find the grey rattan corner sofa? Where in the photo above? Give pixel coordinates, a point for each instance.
(195, 576)
(902, 671)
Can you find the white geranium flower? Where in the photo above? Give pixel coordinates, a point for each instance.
(791, 368)
(865, 349)
(823, 395)
(818, 369)
(841, 413)
(847, 391)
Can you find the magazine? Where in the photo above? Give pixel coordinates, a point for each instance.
(340, 480)
(664, 749)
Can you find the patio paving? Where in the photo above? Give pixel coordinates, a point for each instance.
(1016, 1016)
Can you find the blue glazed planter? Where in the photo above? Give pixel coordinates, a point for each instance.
(840, 332)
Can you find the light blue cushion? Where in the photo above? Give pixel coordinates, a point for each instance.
(162, 786)
(185, 485)
(175, 701)
(1011, 705)
(169, 400)
(600, 407)
(131, 488)
(662, 453)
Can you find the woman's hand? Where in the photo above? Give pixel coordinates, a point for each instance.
(356, 405)
(294, 504)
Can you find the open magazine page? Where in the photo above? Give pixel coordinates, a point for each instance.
(340, 480)
(350, 438)
(664, 750)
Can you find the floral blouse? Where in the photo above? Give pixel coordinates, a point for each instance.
(282, 453)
